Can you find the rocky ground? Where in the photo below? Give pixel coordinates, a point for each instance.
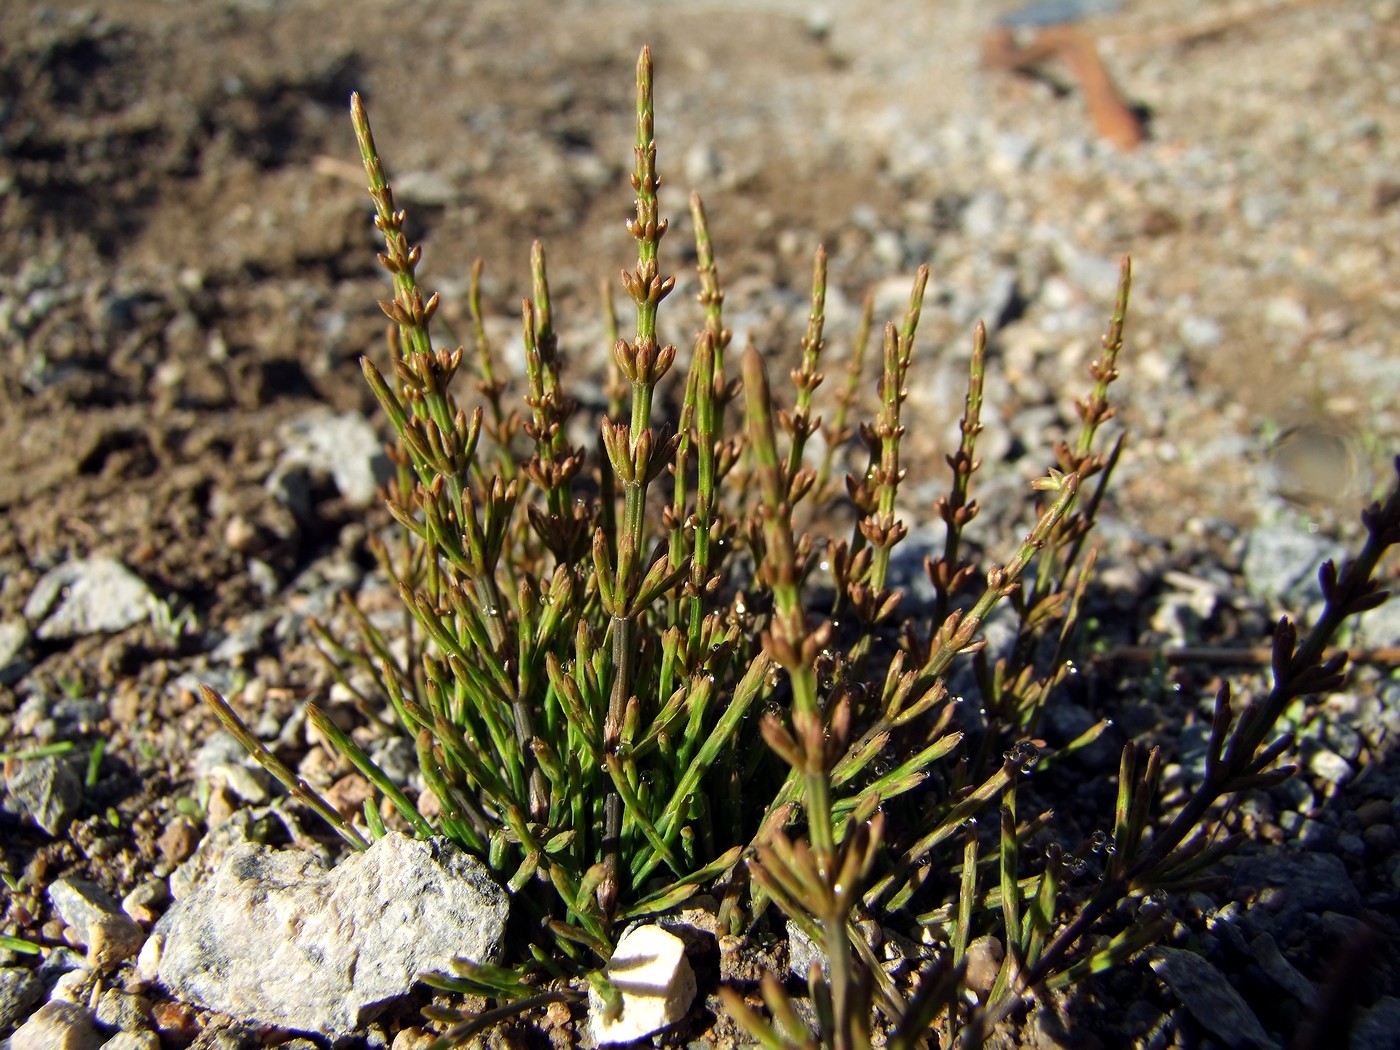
(188, 451)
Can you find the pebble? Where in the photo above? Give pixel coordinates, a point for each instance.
(802, 952)
(651, 971)
(176, 1023)
(1209, 997)
(178, 841)
(112, 939)
(20, 989)
(1280, 564)
(124, 1011)
(1375, 811)
(14, 638)
(1283, 312)
(1066, 721)
(984, 959)
(46, 790)
(1307, 832)
(1330, 766)
(87, 596)
(57, 1026)
(1200, 333)
(345, 446)
(75, 986)
(1281, 971)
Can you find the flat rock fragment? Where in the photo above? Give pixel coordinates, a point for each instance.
(1209, 998)
(273, 937)
(87, 596)
(46, 790)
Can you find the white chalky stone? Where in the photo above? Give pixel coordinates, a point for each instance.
(657, 984)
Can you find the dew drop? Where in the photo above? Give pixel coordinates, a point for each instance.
(1025, 754)
(825, 566)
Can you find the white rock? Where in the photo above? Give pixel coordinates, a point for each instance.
(344, 446)
(657, 984)
(273, 938)
(87, 596)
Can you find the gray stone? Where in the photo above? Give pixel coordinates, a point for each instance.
(1308, 833)
(46, 790)
(984, 215)
(19, 990)
(1378, 628)
(396, 757)
(1192, 746)
(1209, 997)
(14, 636)
(344, 446)
(259, 825)
(1281, 971)
(123, 1011)
(1200, 333)
(224, 758)
(80, 903)
(1281, 563)
(57, 1026)
(1311, 881)
(273, 938)
(1378, 1028)
(802, 952)
(432, 188)
(87, 596)
(1095, 275)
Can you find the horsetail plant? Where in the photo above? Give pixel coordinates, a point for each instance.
(621, 699)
